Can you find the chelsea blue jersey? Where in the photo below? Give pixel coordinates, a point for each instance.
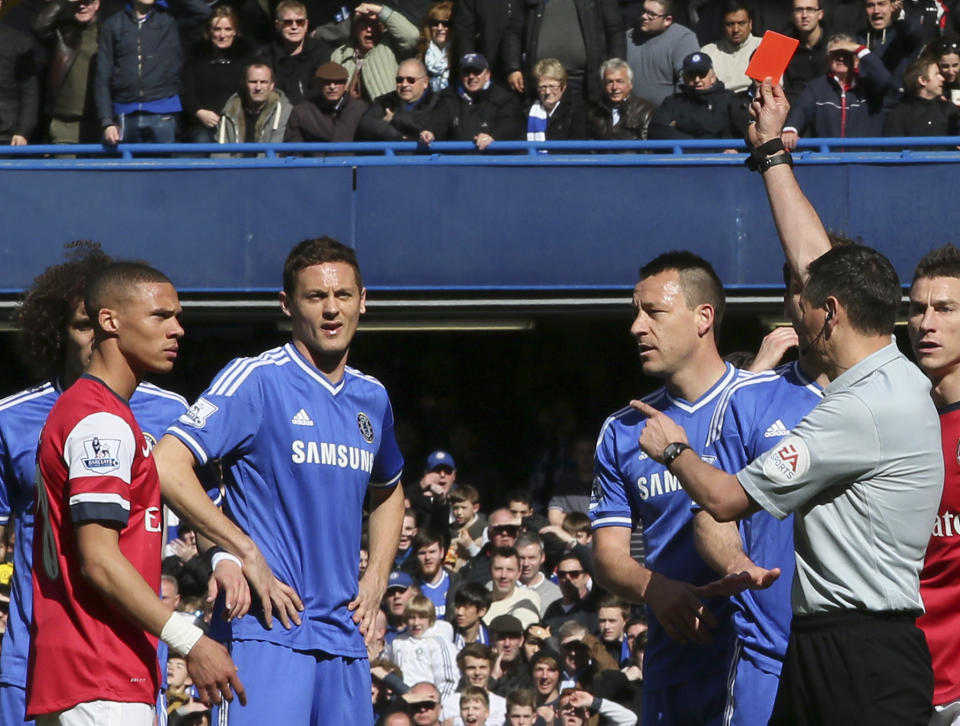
(298, 455)
(629, 486)
(22, 416)
(754, 415)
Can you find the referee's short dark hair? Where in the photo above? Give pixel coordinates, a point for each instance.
(941, 262)
(864, 282)
(701, 284)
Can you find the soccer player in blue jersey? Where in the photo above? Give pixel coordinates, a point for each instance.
(303, 439)
(55, 341)
(752, 417)
(678, 304)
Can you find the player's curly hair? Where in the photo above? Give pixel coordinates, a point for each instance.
(48, 306)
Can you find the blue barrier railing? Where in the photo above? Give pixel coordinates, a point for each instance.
(900, 150)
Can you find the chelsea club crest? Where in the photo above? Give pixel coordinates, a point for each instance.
(366, 427)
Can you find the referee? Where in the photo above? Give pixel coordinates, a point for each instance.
(863, 474)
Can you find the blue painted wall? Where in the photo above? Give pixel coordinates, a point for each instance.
(450, 227)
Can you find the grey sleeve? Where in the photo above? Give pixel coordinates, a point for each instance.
(836, 444)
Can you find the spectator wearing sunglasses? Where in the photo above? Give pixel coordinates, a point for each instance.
(502, 530)
(435, 47)
(293, 55)
(423, 704)
(401, 114)
(577, 599)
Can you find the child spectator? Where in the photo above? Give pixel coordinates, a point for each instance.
(423, 656)
(474, 708)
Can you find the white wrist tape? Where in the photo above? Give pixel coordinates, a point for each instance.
(179, 634)
(220, 556)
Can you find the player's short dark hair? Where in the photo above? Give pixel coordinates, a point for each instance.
(48, 306)
(699, 280)
(941, 262)
(427, 536)
(473, 593)
(505, 552)
(474, 650)
(114, 282)
(735, 6)
(864, 282)
(315, 252)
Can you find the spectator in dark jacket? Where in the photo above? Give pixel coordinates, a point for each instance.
(895, 37)
(213, 73)
(701, 110)
(479, 26)
(71, 31)
(476, 110)
(402, 114)
(294, 56)
(329, 113)
(556, 115)
(922, 112)
(847, 101)
(810, 59)
(619, 115)
(581, 34)
(19, 87)
(138, 75)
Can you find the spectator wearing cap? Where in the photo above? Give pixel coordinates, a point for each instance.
(293, 55)
(400, 589)
(502, 531)
(431, 498)
(475, 662)
(380, 38)
(700, 109)
(581, 34)
(530, 548)
(510, 669)
(470, 604)
(328, 113)
(923, 111)
(509, 599)
(475, 109)
(577, 601)
(656, 47)
(620, 115)
(401, 114)
(731, 54)
(847, 101)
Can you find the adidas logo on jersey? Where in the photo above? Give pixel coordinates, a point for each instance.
(776, 430)
(302, 418)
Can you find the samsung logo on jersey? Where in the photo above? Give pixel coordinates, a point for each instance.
(655, 486)
(346, 457)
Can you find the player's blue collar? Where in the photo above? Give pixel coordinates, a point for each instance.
(721, 383)
(311, 370)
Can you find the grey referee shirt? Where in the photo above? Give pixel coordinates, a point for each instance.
(863, 473)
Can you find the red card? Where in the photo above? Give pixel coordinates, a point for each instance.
(772, 57)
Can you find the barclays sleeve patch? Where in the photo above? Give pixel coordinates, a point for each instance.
(102, 456)
(198, 413)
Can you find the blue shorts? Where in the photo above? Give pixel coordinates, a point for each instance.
(287, 686)
(697, 702)
(751, 692)
(13, 704)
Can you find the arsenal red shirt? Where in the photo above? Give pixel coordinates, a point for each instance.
(940, 578)
(94, 465)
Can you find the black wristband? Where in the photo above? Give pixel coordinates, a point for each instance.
(763, 152)
(769, 161)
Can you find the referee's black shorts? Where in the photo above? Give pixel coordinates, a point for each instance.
(854, 668)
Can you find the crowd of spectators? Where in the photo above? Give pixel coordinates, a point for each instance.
(233, 71)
